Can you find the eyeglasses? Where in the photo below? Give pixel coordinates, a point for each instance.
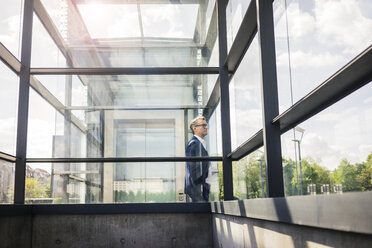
(203, 125)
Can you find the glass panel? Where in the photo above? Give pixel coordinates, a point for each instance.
(7, 174)
(11, 25)
(249, 176)
(130, 34)
(70, 183)
(44, 51)
(332, 151)
(319, 38)
(8, 109)
(245, 98)
(235, 12)
(125, 116)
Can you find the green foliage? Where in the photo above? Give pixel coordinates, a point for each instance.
(353, 177)
(34, 189)
(247, 176)
(220, 181)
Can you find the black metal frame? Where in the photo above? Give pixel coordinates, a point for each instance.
(258, 19)
(122, 160)
(23, 101)
(125, 71)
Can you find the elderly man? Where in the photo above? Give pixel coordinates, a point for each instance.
(197, 172)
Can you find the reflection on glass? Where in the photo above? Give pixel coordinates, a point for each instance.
(235, 12)
(312, 44)
(7, 172)
(245, 98)
(44, 51)
(11, 25)
(82, 116)
(129, 34)
(332, 151)
(69, 183)
(8, 109)
(249, 176)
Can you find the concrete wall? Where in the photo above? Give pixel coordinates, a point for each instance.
(15, 231)
(232, 231)
(123, 230)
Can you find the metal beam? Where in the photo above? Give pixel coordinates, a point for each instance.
(348, 79)
(54, 102)
(7, 157)
(243, 39)
(225, 102)
(9, 59)
(125, 71)
(23, 102)
(122, 160)
(252, 144)
(185, 107)
(270, 104)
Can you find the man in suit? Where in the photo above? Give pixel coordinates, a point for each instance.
(197, 172)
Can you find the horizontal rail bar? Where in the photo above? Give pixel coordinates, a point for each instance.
(252, 144)
(7, 157)
(134, 107)
(125, 71)
(9, 59)
(243, 38)
(348, 79)
(121, 160)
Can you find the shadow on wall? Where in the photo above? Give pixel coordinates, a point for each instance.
(234, 231)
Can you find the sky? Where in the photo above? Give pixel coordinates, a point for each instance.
(324, 36)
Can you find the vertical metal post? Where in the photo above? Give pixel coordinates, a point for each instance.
(67, 134)
(23, 101)
(225, 102)
(273, 154)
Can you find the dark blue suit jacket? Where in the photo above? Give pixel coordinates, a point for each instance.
(196, 172)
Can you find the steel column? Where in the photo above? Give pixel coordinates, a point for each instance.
(225, 102)
(271, 132)
(23, 101)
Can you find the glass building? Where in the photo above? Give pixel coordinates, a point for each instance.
(97, 96)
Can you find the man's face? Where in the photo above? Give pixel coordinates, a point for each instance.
(201, 128)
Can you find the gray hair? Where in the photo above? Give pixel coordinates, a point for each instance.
(194, 122)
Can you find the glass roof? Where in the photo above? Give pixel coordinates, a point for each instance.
(136, 20)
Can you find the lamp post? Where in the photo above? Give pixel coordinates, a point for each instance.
(298, 141)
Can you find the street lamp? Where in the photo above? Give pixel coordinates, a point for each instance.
(298, 141)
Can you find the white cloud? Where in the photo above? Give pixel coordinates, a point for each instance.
(40, 138)
(299, 23)
(10, 38)
(342, 23)
(308, 59)
(7, 135)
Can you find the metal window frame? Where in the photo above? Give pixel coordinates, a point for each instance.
(345, 81)
(270, 98)
(7, 157)
(125, 71)
(9, 59)
(224, 102)
(23, 102)
(122, 159)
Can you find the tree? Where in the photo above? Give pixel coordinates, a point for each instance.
(34, 189)
(346, 174)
